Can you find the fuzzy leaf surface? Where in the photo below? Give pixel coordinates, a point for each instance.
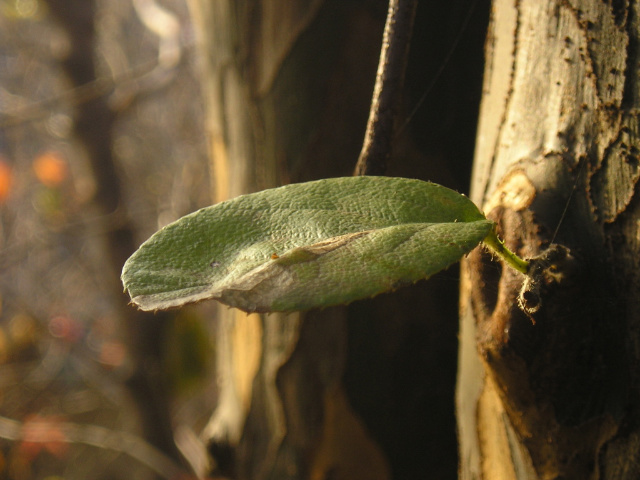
(306, 245)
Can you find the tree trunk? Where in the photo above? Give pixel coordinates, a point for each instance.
(363, 391)
(267, 83)
(555, 394)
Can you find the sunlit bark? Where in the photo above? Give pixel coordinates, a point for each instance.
(556, 161)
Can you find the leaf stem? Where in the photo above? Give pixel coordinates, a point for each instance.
(496, 245)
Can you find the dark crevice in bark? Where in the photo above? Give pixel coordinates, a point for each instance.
(620, 9)
(395, 340)
(631, 68)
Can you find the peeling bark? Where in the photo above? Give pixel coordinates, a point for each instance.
(555, 398)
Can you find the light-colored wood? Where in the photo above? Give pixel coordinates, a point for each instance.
(560, 109)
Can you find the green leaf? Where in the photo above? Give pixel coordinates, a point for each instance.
(306, 245)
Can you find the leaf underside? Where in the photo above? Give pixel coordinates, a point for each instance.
(306, 245)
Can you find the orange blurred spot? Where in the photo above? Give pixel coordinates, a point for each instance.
(43, 433)
(23, 330)
(113, 354)
(50, 168)
(5, 180)
(66, 328)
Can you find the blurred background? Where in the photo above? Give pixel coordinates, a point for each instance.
(111, 126)
(101, 143)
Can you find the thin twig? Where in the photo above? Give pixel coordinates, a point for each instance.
(376, 148)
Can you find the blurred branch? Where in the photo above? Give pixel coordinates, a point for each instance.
(94, 126)
(166, 26)
(39, 431)
(146, 78)
(376, 148)
(41, 109)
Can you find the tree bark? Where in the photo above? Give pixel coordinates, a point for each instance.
(267, 77)
(363, 391)
(555, 395)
